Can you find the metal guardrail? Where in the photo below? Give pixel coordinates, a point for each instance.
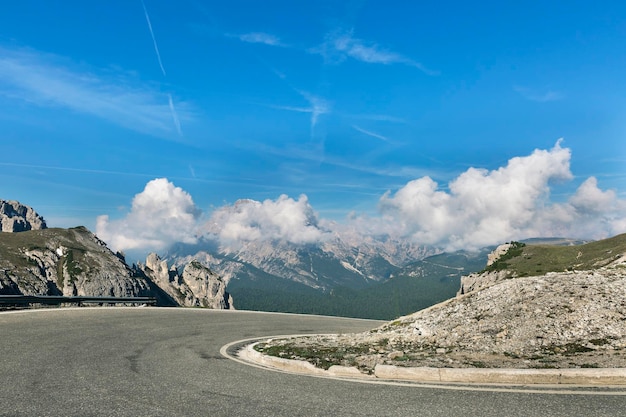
(57, 299)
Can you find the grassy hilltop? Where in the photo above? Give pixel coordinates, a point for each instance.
(538, 259)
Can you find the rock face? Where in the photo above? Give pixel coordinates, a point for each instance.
(65, 262)
(477, 281)
(196, 286)
(16, 217)
(497, 253)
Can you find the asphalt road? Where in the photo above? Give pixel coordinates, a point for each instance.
(166, 362)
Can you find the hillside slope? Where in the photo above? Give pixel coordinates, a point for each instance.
(65, 262)
(554, 320)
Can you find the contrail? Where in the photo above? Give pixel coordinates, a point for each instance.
(156, 48)
(175, 115)
(372, 134)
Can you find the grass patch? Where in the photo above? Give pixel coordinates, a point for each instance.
(403, 358)
(477, 364)
(568, 349)
(321, 356)
(589, 365)
(600, 342)
(532, 259)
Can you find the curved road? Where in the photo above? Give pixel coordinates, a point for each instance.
(166, 362)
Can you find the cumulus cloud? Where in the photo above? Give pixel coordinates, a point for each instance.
(160, 215)
(281, 219)
(488, 207)
(477, 209)
(589, 213)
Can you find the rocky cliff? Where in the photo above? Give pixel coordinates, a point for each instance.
(16, 217)
(196, 286)
(65, 262)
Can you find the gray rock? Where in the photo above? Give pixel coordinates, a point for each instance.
(197, 286)
(16, 217)
(65, 262)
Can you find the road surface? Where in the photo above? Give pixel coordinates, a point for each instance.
(167, 362)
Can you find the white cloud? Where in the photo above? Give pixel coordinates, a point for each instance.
(160, 215)
(42, 80)
(536, 95)
(281, 219)
(342, 44)
(489, 207)
(260, 37)
(478, 209)
(589, 213)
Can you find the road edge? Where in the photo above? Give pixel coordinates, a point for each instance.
(570, 376)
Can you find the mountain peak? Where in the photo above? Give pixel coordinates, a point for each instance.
(16, 217)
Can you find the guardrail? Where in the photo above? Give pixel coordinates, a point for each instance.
(57, 299)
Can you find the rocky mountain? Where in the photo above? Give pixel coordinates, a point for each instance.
(196, 286)
(65, 262)
(16, 217)
(534, 306)
(323, 266)
(36, 260)
(334, 278)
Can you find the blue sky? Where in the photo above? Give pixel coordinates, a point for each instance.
(339, 101)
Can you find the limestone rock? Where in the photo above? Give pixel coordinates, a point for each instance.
(497, 253)
(477, 281)
(16, 217)
(197, 286)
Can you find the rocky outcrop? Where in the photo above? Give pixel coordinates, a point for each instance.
(497, 253)
(67, 262)
(16, 217)
(196, 286)
(489, 276)
(477, 281)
